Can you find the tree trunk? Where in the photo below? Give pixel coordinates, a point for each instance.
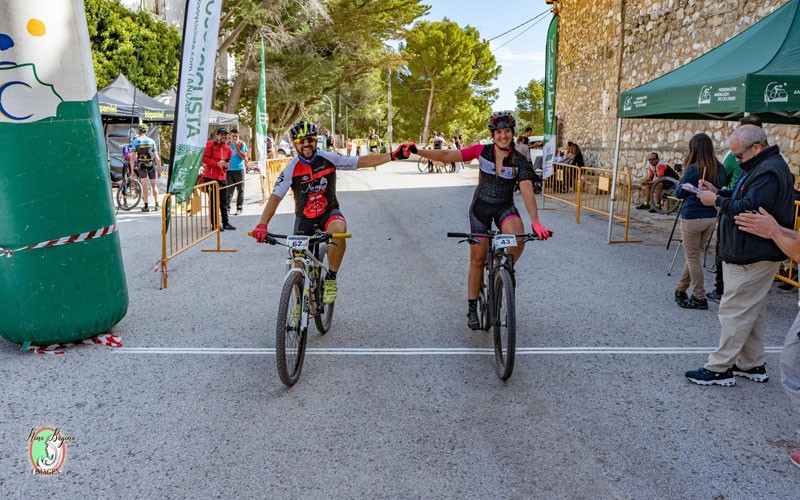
(428, 116)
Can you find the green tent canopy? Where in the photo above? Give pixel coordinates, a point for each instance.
(757, 71)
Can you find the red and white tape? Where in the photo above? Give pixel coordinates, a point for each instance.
(75, 238)
(107, 339)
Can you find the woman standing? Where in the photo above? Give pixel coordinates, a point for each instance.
(697, 220)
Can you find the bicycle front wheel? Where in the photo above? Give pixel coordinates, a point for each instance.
(504, 325)
(290, 339)
(129, 193)
(662, 197)
(324, 314)
(422, 164)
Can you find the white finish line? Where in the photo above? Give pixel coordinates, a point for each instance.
(426, 351)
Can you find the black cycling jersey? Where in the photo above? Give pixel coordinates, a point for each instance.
(493, 188)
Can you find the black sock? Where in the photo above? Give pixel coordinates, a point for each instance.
(331, 275)
(473, 305)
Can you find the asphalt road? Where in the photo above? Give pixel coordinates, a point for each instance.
(400, 399)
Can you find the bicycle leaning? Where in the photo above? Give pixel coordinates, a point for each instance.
(129, 190)
(301, 297)
(496, 301)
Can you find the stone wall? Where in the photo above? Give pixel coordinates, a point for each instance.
(659, 36)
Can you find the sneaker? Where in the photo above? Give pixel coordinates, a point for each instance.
(643, 206)
(472, 320)
(145, 209)
(794, 456)
(238, 211)
(228, 227)
(680, 296)
(694, 303)
(296, 315)
(756, 374)
(714, 296)
(653, 210)
(329, 293)
(158, 207)
(702, 376)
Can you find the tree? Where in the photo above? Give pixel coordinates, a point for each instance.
(530, 105)
(144, 49)
(446, 83)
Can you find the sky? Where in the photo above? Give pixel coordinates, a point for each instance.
(523, 58)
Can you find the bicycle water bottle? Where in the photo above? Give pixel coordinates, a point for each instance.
(61, 273)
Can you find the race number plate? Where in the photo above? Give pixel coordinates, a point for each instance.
(505, 241)
(297, 242)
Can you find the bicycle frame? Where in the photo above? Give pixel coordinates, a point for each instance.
(304, 262)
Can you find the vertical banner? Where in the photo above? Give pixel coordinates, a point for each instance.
(61, 273)
(261, 118)
(193, 100)
(549, 148)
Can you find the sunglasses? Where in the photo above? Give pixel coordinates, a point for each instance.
(311, 139)
(652, 159)
(740, 156)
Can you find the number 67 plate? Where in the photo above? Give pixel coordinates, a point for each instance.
(297, 242)
(505, 240)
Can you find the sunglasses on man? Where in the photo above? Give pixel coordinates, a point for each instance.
(311, 139)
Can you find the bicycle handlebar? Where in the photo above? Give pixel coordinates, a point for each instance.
(527, 236)
(315, 237)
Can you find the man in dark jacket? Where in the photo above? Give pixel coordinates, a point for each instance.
(749, 261)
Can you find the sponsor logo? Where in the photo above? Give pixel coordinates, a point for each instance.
(775, 92)
(628, 105)
(47, 449)
(705, 95)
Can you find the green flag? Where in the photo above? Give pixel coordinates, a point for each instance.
(549, 148)
(261, 118)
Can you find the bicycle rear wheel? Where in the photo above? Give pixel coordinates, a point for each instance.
(290, 339)
(504, 325)
(422, 164)
(662, 197)
(324, 314)
(129, 193)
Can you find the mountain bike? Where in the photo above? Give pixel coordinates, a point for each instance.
(129, 191)
(496, 302)
(662, 195)
(301, 297)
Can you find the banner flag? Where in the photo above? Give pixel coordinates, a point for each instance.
(549, 148)
(261, 118)
(193, 100)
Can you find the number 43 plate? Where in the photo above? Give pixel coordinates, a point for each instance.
(297, 242)
(505, 240)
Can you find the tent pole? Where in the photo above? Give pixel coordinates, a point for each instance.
(614, 181)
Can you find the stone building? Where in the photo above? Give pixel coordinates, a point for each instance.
(606, 47)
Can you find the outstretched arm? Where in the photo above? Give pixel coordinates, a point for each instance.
(442, 155)
(370, 161)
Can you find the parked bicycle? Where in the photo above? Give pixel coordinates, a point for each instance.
(496, 302)
(662, 194)
(301, 297)
(129, 191)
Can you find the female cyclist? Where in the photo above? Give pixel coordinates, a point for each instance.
(501, 167)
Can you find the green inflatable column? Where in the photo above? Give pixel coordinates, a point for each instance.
(61, 273)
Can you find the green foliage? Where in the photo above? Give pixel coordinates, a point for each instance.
(530, 106)
(446, 84)
(118, 35)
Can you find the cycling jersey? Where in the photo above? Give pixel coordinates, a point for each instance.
(497, 189)
(313, 182)
(144, 148)
(438, 143)
(661, 170)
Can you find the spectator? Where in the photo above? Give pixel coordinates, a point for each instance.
(216, 160)
(764, 225)
(358, 147)
(750, 262)
(374, 142)
(697, 220)
(733, 171)
(235, 174)
(329, 141)
(655, 169)
(527, 136)
(522, 148)
(574, 155)
(144, 155)
(347, 145)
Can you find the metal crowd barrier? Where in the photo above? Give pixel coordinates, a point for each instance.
(790, 266)
(587, 188)
(190, 223)
(270, 175)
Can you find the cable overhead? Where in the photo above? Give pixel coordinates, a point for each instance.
(519, 35)
(519, 25)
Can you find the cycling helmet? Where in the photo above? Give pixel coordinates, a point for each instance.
(303, 129)
(502, 119)
(142, 129)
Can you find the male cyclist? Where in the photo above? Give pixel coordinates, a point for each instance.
(144, 156)
(312, 177)
(501, 166)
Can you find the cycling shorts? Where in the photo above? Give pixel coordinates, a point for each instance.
(306, 226)
(481, 215)
(146, 172)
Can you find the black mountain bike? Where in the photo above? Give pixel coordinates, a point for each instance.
(129, 191)
(496, 303)
(301, 297)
